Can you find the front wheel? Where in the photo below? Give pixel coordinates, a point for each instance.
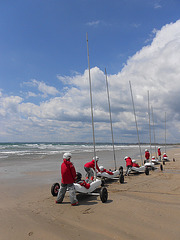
(104, 194)
(54, 189)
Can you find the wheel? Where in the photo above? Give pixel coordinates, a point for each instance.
(147, 171)
(121, 178)
(161, 167)
(104, 194)
(121, 170)
(54, 189)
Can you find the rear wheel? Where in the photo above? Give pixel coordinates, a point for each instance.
(147, 171)
(54, 189)
(161, 167)
(121, 170)
(104, 194)
(121, 178)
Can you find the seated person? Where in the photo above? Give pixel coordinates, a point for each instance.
(102, 169)
(80, 181)
(134, 164)
(165, 157)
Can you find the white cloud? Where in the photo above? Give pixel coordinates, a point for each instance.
(42, 87)
(93, 23)
(67, 117)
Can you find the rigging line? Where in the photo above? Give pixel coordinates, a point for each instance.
(92, 117)
(110, 119)
(136, 122)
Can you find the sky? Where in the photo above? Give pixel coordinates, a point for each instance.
(44, 76)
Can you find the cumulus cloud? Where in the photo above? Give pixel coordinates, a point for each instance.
(66, 116)
(42, 87)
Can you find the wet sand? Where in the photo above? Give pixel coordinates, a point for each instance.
(144, 207)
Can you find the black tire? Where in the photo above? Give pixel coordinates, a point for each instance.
(161, 167)
(104, 194)
(147, 171)
(54, 189)
(121, 178)
(120, 170)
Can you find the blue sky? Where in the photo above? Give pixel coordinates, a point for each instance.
(43, 68)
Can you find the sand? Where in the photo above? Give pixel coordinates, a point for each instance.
(144, 207)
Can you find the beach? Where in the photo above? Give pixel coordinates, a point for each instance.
(144, 207)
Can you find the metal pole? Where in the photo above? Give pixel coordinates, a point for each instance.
(165, 132)
(91, 105)
(149, 124)
(110, 119)
(154, 131)
(136, 122)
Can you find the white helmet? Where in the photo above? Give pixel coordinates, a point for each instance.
(67, 156)
(96, 158)
(101, 168)
(153, 157)
(159, 148)
(134, 161)
(164, 153)
(125, 157)
(146, 150)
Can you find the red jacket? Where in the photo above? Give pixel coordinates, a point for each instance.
(135, 165)
(164, 155)
(128, 162)
(68, 172)
(147, 155)
(110, 173)
(159, 152)
(92, 165)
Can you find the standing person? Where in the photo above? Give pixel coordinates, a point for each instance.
(68, 177)
(128, 165)
(147, 155)
(159, 153)
(90, 166)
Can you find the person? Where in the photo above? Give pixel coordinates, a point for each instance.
(102, 169)
(165, 156)
(128, 165)
(90, 166)
(80, 181)
(134, 164)
(159, 153)
(68, 177)
(147, 155)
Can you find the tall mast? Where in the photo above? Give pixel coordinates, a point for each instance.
(154, 131)
(110, 119)
(92, 117)
(136, 122)
(149, 124)
(165, 132)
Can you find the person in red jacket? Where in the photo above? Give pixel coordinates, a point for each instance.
(68, 177)
(147, 155)
(90, 166)
(159, 153)
(128, 165)
(134, 164)
(102, 169)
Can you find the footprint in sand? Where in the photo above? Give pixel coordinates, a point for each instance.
(87, 211)
(30, 233)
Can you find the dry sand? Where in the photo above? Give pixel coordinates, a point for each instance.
(144, 207)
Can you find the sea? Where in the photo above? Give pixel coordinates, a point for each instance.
(43, 160)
